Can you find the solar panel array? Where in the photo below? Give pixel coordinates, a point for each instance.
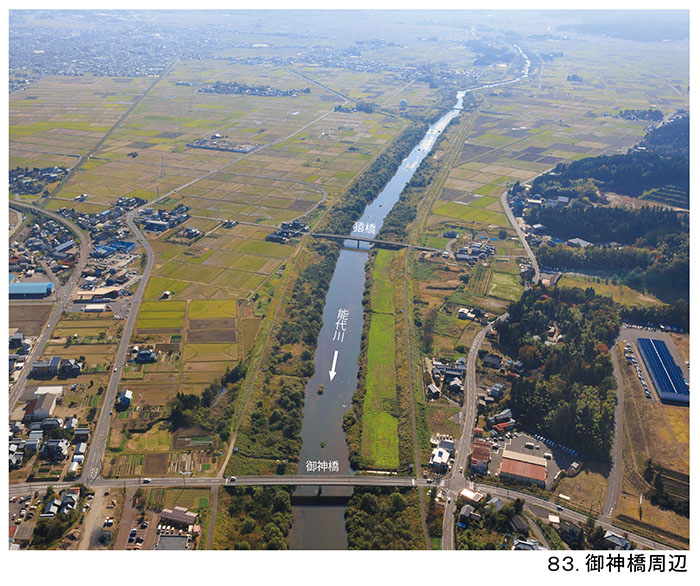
(666, 374)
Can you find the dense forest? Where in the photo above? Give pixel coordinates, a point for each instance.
(384, 518)
(671, 139)
(258, 517)
(629, 174)
(676, 315)
(571, 397)
(189, 409)
(650, 114)
(662, 268)
(487, 54)
(643, 226)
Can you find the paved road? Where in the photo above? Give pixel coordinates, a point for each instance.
(328, 480)
(455, 481)
(615, 476)
(565, 514)
(208, 481)
(93, 462)
(521, 235)
(65, 294)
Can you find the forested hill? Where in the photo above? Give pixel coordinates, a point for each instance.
(661, 172)
(570, 396)
(643, 226)
(672, 139)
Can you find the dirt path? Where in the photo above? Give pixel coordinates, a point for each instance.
(126, 521)
(212, 520)
(93, 520)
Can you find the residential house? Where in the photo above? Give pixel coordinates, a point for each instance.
(519, 525)
(492, 361)
(439, 460)
(526, 545)
(55, 450)
(496, 503)
(615, 541)
(433, 392)
(179, 516)
(481, 455)
(16, 340)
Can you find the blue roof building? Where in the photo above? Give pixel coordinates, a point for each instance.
(122, 245)
(104, 251)
(30, 290)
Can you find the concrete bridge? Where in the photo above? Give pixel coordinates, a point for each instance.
(370, 240)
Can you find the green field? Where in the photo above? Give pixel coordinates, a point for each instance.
(383, 286)
(209, 352)
(212, 308)
(380, 446)
(620, 293)
(505, 286)
(472, 212)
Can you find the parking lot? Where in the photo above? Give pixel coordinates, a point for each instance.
(629, 335)
(561, 456)
(23, 510)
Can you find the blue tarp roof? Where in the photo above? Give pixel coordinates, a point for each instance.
(30, 288)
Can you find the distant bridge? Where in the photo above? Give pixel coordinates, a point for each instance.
(359, 239)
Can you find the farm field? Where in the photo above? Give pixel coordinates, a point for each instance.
(306, 155)
(29, 317)
(380, 427)
(619, 293)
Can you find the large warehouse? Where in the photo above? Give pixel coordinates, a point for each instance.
(666, 374)
(523, 468)
(31, 290)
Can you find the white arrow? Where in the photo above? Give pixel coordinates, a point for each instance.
(331, 372)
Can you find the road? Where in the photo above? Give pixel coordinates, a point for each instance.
(615, 475)
(93, 462)
(327, 480)
(18, 222)
(65, 294)
(565, 514)
(209, 481)
(455, 480)
(521, 235)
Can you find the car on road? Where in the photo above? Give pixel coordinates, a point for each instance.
(560, 508)
(146, 480)
(115, 369)
(429, 480)
(232, 479)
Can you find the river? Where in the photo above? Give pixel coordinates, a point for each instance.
(322, 526)
(323, 440)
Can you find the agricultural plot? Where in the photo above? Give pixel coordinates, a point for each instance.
(602, 286)
(29, 318)
(380, 427)
(48, 126)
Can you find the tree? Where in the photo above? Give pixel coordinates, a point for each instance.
(248, 526)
